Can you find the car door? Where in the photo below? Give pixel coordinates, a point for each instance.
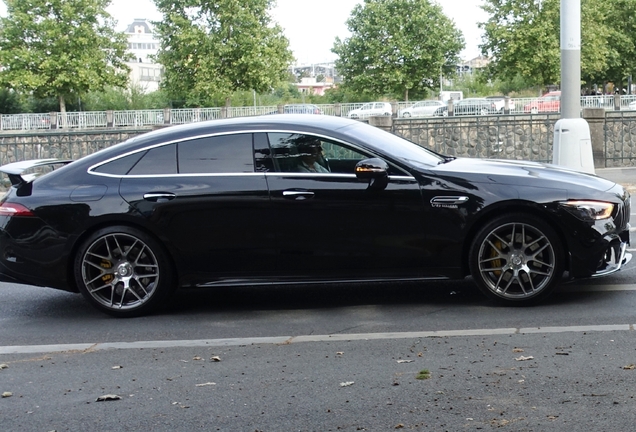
(332, 224)
(204, 197)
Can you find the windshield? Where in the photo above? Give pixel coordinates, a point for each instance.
(398, 148)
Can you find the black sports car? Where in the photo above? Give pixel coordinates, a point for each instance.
(295, 199)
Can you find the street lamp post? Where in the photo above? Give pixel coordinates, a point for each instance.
(572, 139)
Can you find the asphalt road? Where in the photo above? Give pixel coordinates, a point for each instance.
(324, 358)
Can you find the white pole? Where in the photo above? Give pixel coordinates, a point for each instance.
(572, 139)
(570, 59)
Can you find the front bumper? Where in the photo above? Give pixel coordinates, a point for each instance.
(615, 257)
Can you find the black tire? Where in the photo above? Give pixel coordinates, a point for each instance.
(123, 271)
(517, 259)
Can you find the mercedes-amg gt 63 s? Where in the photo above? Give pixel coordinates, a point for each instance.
(296, 199)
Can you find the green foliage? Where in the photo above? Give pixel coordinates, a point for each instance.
(118, 99)
(396, 47)
(214, 49)
(10, 102)
(60, 48)
(523, 39)
(621, 18)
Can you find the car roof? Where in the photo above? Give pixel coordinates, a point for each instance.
(305, 122)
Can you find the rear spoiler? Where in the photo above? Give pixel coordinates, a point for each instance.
(15, 170)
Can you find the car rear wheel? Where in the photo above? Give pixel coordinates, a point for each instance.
(534, 110)
(123, 271)
(517, 259)
(406, 115)
(483, 111)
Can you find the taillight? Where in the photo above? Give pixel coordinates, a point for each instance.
(13, 209)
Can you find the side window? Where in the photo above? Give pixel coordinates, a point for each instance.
(308, 153)
(263, 161)
(158, 160)
(217, 154)
(120, 166)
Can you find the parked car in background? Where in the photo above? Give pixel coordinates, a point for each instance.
(632, 105)
(230, 202)
(301, 109)
(549, 102)
(500, 103)
(371, 109)
(470, 106)
(421, 109)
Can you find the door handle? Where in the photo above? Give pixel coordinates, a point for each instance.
(159, 196)
(298, 195)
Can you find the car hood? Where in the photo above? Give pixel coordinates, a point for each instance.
(523, 173)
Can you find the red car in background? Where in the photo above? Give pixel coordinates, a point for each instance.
(549, 102)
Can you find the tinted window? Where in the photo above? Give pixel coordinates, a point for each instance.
(262, 153)
(159, 160)
(297, 152)
(218, 154)
(120, 166)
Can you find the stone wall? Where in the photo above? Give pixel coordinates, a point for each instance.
(613, 135)
(59, 144)
(504, 137)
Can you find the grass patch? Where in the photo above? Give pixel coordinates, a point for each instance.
(423, 374)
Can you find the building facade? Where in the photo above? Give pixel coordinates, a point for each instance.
(144, 72)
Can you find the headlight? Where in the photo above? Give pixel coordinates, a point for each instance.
(589, 210)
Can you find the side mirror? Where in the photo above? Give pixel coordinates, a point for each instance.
(375, 171)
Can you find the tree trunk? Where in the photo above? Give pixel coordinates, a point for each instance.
(63, 111)
(228, 105)
(406, 95)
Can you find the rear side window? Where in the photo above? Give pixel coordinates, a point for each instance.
(120, 166)
(217, 154)
(158, 160)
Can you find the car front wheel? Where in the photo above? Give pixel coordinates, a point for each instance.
(517, 259)
(123, 271)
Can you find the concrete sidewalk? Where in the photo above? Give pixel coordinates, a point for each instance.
(625, 176)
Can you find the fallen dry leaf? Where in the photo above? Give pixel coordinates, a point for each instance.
(405, 361)
(7, 394)
(399, 426)
(108, 397)
(4, 366)
(340, 353)
(216, 358)
(117, 367)
(206, 384)
(197, 358)
(552, 417)
(346, 383)
(517, 350)
(629, 367)
(522, 358)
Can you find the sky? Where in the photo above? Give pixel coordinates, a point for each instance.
(312, 26)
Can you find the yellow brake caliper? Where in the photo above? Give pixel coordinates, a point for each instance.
(107, 278)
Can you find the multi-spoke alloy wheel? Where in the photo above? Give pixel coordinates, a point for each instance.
(517, 258)
(122, 271)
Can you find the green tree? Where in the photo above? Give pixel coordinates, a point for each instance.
(396, 47)
(621, 19)
(522, 37)
(60, 48)
(218, 48)
(10, 102)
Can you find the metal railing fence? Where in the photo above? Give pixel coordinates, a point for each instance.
(149, 118)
